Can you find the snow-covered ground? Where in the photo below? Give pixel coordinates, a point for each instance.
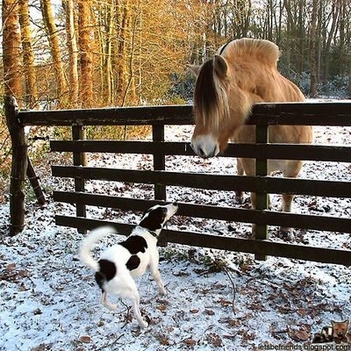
(216, 300)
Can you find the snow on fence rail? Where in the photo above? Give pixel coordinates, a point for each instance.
(331, 114)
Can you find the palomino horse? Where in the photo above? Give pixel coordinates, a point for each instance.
(242, 73)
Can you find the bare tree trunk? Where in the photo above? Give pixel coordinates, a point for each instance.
(107, 68)
(271, 11)
(31, 97)
(301, 30)
(289, 42)
(104, 16)
(51, 29)
(329, 39)
(129, 86)
(11, 50)
(86, 64)
(342, 63)
(13, 87)
(18, 165)
(86, 61)
(72, 52)
(313, 50)
(348, 45)
(123, 21)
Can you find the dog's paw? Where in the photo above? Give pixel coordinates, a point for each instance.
(111, 307)
(162, 291)
(143, 324)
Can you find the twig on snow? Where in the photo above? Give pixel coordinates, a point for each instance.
(233, 287)
(104, 347)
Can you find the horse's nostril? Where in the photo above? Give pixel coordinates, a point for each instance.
(198, 150)
(201, 152)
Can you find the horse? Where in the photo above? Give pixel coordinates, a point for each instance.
(244, 72)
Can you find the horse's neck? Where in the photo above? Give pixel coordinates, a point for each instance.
(264, 83)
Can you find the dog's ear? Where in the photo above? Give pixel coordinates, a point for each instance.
(154, 219)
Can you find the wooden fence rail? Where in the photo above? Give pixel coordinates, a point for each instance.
(263, 115)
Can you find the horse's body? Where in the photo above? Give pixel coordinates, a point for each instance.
(244, 72)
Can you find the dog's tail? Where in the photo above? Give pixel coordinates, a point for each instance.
(85, 254)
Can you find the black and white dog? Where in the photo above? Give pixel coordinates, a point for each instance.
(119, 264)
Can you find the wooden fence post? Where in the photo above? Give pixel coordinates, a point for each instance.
(158, 134)
(261, 197)
(33, 179)
(18, 166)
(79, 159)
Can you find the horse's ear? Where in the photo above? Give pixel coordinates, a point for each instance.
(220, 65)
(194, 68)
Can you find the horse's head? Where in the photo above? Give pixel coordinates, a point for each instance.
(220, 107)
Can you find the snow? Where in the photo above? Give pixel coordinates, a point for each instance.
(216, 300)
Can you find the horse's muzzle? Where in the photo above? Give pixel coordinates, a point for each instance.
(204, 147)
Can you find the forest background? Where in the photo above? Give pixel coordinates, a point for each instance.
(97, 53)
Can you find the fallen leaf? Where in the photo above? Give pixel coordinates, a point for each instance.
(224, 302)
(190, 342)
(23, 287)
(209, 312)
(163, 340)
(231, 322)
(181, 273)
(302, 335)
(214, 339)
(284, 309)
(272, 297)
(162, 308)
(298, 335)
(10, 267)
(301, 312)
(41, 347)
(85, 338)
(246, 336)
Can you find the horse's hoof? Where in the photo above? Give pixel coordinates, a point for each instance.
(239, 197)
(287, 234)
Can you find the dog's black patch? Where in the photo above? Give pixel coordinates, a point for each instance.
(133, 262)
(107, 272)
(135, 244)
(154, 219)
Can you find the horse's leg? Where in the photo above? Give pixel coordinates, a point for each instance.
(292, 170)
(247, 166)
(287, 202)
(240, 170)
(253, 204)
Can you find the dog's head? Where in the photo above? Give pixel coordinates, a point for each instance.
(340, 328)
(156, 216)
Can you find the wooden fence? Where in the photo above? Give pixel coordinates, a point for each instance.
(332, 114)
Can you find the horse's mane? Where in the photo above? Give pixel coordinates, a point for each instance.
(209, 95)
(263, 50)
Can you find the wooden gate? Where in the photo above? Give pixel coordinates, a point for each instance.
(332, 114)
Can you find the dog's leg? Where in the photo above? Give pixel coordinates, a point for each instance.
(157, 276)
(107, 303)
(136, 302)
